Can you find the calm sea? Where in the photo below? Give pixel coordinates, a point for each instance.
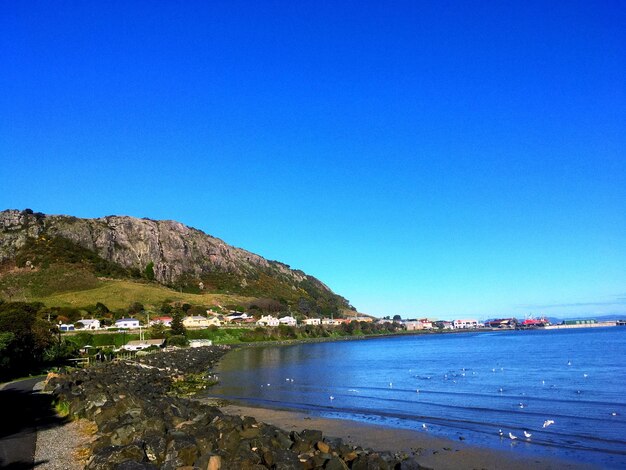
(466, 386)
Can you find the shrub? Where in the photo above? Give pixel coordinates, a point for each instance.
(177, 340)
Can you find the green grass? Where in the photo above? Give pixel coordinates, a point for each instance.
(117, 294)
(219, 336)
(62, 408)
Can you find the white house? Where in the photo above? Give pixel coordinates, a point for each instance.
(330, 321)
(268, 320)
(312, 321)
(128, 323)
(88, 324)
(461, 324)
(139, 344)
(289, 321)
(66, 327)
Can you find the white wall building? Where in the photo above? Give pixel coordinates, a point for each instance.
(461, 324)
(289, 321)
(88, 324)
(268, 320)
(312, 321)
(139, 344)
(128, 323)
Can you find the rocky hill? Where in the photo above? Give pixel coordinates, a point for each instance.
(162, 251)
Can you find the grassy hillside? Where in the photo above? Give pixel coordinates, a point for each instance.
(117, 294)
(61, 273)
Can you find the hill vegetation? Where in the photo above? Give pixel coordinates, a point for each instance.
(64, 261)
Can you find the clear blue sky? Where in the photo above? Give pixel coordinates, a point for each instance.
(439, 159)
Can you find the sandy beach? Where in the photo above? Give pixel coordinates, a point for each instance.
(432, 452)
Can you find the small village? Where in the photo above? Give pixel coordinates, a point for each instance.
(235, 319)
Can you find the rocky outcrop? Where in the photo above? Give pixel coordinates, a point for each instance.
(141, 426)
(173, 251)
(174, 248)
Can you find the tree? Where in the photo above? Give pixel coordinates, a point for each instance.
(149, 271)
(397, 318)
(178, 329)
(24, 337)
(197, 310)
(177, 340)
(101, 309)
(135, 307)
(157, 331)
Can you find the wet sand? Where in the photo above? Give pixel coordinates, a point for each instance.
(430, 451)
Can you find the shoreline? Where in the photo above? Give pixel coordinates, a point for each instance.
(429, 451)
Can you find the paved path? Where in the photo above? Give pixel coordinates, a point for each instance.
(22, 411)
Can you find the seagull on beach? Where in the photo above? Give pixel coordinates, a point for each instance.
(500, 432)
(527, 434)
(511, 436)
(331, 398)
(424, 426)
(547, 423)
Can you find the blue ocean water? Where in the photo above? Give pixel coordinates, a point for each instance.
(469, 386)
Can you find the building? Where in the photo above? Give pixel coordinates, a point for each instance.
(128, 323)
(443, 325)
(501, 323)
(238, 318)
(199, 343)
(330, 322)
(464, 324)
(165, 321)
(289, 321)
(412, 325)
(139, 344)
(426, 323)
(586, 321)
(312, 321)
(66, 327)
(88, 324)
(196, 321)
(268, 320)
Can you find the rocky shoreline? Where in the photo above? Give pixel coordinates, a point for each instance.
(146, 419)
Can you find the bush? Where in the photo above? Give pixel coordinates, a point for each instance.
(177, 340)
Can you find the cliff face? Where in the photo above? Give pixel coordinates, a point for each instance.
(176, 251)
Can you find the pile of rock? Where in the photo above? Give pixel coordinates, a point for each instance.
(141, 426)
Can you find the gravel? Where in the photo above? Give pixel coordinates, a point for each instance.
(63, 447)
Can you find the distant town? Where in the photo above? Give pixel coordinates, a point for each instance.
(215, 320)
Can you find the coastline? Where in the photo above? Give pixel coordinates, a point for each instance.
(429, 451)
